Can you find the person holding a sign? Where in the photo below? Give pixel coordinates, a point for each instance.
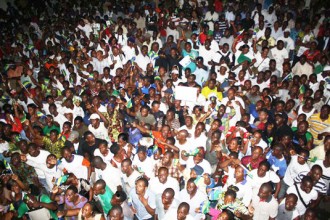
(189, 57)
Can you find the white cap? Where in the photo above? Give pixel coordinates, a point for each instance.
(94, 116)
(175, 71)
(326, 68)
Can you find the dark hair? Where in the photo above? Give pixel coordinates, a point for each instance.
(121, 195)
(116, 207)
(73, 188)
(123, 136)
(114, 148)
(265, 163)
(141, 178)
(87, 133)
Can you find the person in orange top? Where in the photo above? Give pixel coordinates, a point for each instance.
(14, 122)
(158, 136)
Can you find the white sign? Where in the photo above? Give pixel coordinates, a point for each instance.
(185, 61)
(185, 93)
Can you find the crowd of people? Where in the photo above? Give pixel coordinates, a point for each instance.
(165, 110)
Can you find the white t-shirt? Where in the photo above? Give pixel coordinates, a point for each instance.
(279, 56)
(293, 169)
(142, 61)
(75, 166)
(257, 181)
(60, 119)
(101, 132)
(38, 162)
(325, 173)
(145, 166)
(106, 158)
(284, 214)
(158, 188)
(306, 197)
(110, 175)
(129, 182)
(245, 190)
(194, 202)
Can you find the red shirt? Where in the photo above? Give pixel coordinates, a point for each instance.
(247, 161)
(158, 135)
(17, 126)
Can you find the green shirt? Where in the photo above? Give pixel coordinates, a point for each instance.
(46, 130)
(308, 135)
(105, 199)
(23, 208)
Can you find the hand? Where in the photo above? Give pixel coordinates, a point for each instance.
(198, 210)
(237, 214)
(143, 200)
(251, 209)
(61, 213)
(14, 177)
(55, 189)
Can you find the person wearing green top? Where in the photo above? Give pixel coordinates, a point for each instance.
(319, 66)
(37, 206)
(50, 125)
(301, 136)
(104, 195)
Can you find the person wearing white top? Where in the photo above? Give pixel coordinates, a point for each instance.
(280, 54)
(99, 63)
(143, 163)
(297, 165)
(104, 152)
(211, 17)
(98, 128)
(200, 161)
(128, 175)
(162, 181)
(105, 171)
(182, 212)
(142, 60)
(37, 159)
(51, 170)
(166, 202)
(194, 197)
(263, 175)
(116, 60)
(287, 208)
(245, 189)
(76, 164)
(59, 118)
(306, 191)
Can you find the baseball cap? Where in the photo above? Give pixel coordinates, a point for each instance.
(94, 116)
(198, 170)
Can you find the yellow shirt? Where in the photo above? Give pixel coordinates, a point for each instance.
(316, 125)
(207, 93)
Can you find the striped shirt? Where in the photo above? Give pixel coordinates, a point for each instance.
(320, 186)
(316, 124)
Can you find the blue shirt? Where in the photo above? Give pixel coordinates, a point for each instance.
(277, 164)
(141, 211)
(201, 76)
(193, 55)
